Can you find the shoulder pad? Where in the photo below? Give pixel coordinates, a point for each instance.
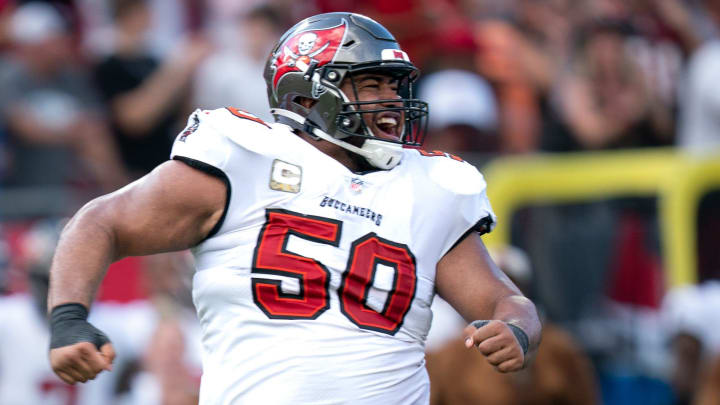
(450, 172)
(201, 140)
(242, 128)
(242, 114)
(231, 118)
(458, 187)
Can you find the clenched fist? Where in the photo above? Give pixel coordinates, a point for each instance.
(78, 350)
(504, 345)
(81, 362)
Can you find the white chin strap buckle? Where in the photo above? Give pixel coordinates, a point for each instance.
(383, 155)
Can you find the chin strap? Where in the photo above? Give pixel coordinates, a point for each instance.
(380, 154)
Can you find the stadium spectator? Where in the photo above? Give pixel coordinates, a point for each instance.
(708, 392)
(4, 262)
(502, 58)
(687, 366)
(699, 132)
(452, 45)
(464, 114)
(233, 75)
(664, 38)
(521, 53)
(603, 102)
(49, 106)
(146, 96)
(603, 99)
(691, 320)
(699, 129)
(4, 155)
(25, 376)
(157, 342)
(169, 365)
(6, 9)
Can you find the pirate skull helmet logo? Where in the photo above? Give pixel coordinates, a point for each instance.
(306, 43)
(299, 51)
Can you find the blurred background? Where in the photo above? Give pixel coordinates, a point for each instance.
(595, 122)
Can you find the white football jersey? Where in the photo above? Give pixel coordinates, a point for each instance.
(316, 286)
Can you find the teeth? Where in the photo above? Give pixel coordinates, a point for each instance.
(387, 120)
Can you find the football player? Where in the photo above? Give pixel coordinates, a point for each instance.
(320, 240)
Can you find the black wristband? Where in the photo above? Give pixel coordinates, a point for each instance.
(520, 334)
(479, 324)
(69, 325)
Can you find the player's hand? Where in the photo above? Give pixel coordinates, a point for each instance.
(191, 52)
(497, 342)
(78, 350)
(81, 361)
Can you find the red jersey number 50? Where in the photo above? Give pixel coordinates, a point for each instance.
(272, 257)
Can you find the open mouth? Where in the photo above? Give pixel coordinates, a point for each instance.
(388, 126)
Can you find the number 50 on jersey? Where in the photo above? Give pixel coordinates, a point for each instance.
(366, 253)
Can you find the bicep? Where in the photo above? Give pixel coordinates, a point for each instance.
(172, 208)
(468, 279)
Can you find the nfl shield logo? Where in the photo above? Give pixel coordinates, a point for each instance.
(356, 185)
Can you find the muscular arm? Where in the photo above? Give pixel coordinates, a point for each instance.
(172, 208)
(468, 279)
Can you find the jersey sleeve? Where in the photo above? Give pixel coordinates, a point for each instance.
(201, 142)
(233, 146)
(464, 199)
(213, 136)
(475, 213)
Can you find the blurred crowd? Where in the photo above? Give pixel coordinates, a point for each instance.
(93, 93)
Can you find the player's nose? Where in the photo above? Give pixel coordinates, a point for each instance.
(391, 97)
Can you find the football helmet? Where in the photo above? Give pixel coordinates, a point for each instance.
(313, 58)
